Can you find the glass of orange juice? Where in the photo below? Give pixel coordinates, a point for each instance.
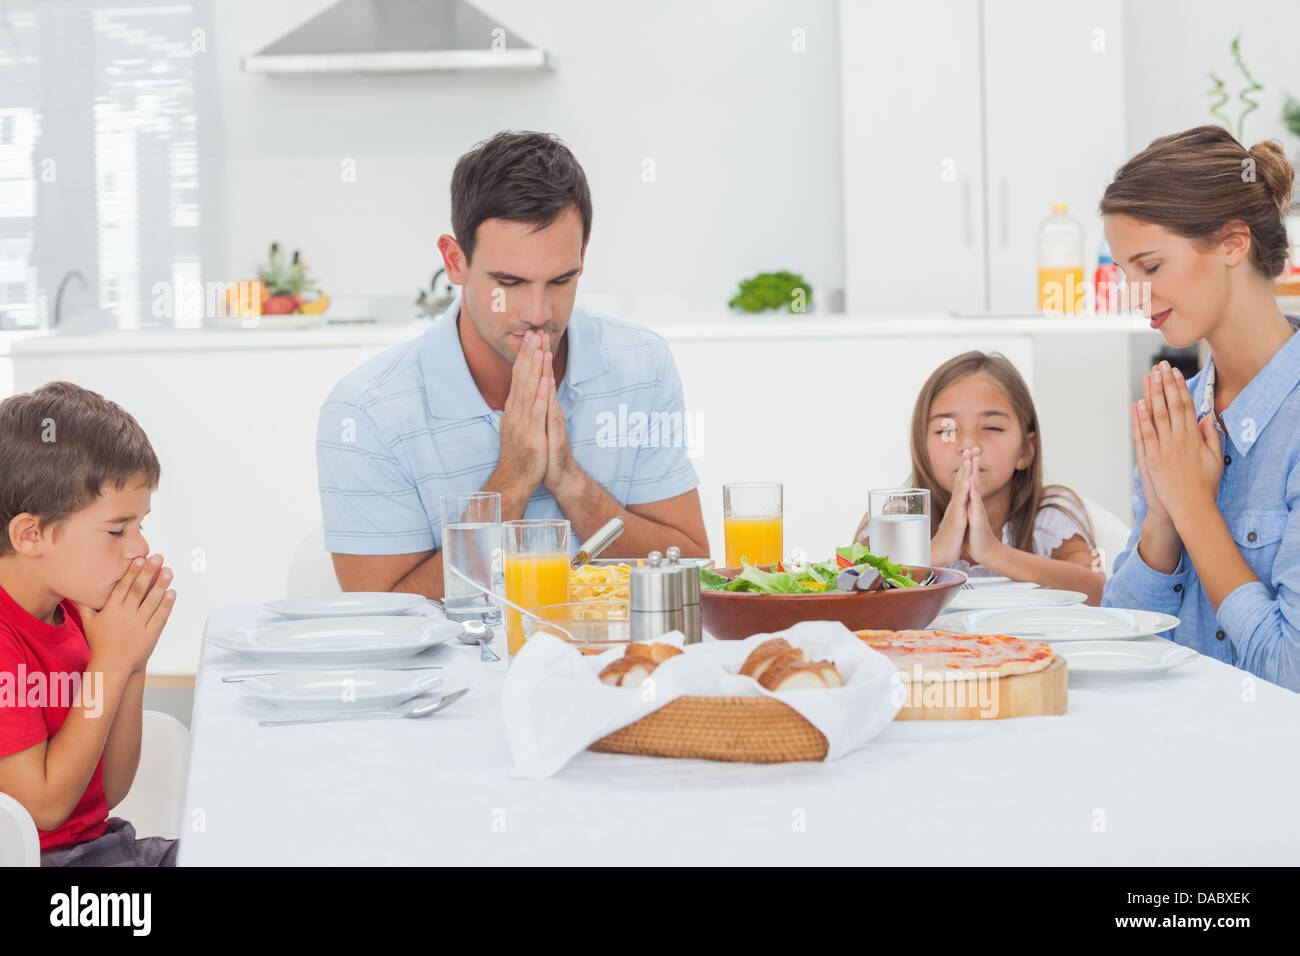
(537, 569)
(751, 522)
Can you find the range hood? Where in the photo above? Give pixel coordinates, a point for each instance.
(398, 36)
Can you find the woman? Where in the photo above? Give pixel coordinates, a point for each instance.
(1195, 220)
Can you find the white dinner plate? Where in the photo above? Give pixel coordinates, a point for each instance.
(348, 604)
(1053, 624)
(345, 642)
(989, 598)
(1123, 659)
(340, 690)
(997, 580)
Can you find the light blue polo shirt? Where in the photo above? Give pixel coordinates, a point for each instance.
(410, 425)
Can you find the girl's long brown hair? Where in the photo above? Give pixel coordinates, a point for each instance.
(1027, 489)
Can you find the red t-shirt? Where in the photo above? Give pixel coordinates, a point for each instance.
(28, 648)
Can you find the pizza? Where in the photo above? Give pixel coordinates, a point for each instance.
(956, 656)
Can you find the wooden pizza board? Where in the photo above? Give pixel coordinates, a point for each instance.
(1038, 694)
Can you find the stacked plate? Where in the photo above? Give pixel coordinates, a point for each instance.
(1096, 642)
(334, 691)
(351, 604)
(1123, 659)
(1009, 596)
(349, 641)
(1058, 624)
(330, 648)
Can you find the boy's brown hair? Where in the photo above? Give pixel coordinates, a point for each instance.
(59, 446)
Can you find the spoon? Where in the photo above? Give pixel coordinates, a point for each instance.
(476, 632)
(419, 710)
(554, 626)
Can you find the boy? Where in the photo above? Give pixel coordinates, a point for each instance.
(81, 608)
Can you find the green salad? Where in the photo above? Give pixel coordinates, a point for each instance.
(806, 578)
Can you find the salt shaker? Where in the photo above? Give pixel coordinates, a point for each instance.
(690, 578)
(655, 590)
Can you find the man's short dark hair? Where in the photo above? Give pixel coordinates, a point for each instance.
(59, 447)
(520, 177)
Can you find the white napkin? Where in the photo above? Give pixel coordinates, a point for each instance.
(555, 705)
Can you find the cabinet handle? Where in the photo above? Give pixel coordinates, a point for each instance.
(1006, 216)
(967, 238)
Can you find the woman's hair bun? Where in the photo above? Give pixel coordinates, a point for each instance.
(1275, 171)
(1198, 182)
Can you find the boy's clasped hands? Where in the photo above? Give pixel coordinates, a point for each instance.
(123, 633)
(965, 531)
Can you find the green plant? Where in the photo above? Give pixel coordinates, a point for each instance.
(1220, 91)
(773, 290)
(283, 276)
(1291, 115)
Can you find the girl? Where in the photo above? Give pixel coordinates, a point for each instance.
(1195, 220)
(975, 446)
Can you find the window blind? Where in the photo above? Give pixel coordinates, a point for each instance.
(103, 185)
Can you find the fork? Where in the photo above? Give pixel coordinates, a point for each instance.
(414, 712)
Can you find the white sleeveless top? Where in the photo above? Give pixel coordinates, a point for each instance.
(1051, 527)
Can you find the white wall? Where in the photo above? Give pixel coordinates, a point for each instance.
(1172, 46)
(743, 131)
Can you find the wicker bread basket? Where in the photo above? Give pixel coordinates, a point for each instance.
(738, 729)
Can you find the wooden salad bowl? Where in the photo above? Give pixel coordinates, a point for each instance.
(736, 615)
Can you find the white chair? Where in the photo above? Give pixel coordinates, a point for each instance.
(156, 802)
(312, 569)
(154, 806)
(1110, 531)
(20, 844)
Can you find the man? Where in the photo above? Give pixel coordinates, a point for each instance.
(507, 392)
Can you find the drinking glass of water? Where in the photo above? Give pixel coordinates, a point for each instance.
(471, 544)
(900, 525)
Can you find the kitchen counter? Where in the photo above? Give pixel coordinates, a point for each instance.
(821, 403)
(702, 326)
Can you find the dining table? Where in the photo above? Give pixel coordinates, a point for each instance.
(1196, 765)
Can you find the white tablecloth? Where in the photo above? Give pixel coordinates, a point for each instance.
(1181, 769)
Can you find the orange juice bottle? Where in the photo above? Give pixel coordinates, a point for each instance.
(1060, 264)
(757, 540)
(533, 580)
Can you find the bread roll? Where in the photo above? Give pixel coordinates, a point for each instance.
(802, 675)
(763, 656)
(636, 664)
(626, 672)
(661, 652)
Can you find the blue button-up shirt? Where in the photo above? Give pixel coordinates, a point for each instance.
(410, 425)
(1257, 627)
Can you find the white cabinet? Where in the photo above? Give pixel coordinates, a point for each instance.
(1054, 127)
(913, 180)
(964, 122)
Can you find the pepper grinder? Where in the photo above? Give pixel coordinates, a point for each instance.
(690, 578)
(655, 590)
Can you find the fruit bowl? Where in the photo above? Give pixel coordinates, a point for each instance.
(736, 615)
